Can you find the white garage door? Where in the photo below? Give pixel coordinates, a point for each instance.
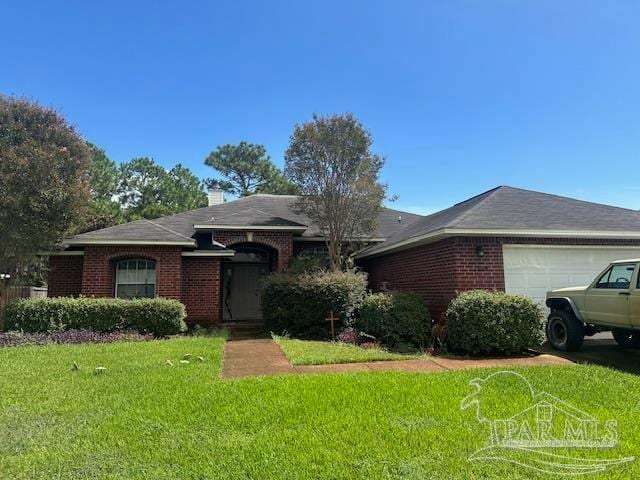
(534, 270)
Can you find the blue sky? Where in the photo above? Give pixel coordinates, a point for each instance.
(459, 95)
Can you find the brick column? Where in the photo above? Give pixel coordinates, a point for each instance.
(201, 290)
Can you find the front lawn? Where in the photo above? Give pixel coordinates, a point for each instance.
(311, 352)
(143, 418)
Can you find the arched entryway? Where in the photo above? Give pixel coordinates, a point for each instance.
(241, 277)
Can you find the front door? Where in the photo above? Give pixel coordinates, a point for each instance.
(242, 292)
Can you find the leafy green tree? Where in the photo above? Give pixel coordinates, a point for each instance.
(330, 159)
(100, 214)
(278, 184)
(147, 190)
(184, 191)
(246, 168)
(104, 209)
(103, 176)
(44, 165)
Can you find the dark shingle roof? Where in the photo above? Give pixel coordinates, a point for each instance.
(251, 210)
(515, 209)
(137, 231)
(251, 216)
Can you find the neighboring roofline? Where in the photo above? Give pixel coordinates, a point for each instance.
(62, 253)
(472, 232)
(204, 253)
(94, 241)
(277, 228)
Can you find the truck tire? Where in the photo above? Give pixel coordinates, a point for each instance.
(626, 338)
(564, 331)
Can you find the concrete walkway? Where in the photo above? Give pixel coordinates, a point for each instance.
(262, 356)
(249, 357)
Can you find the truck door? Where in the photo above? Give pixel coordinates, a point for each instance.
(634, 299)
(608, 298)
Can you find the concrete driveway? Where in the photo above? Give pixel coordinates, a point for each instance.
(601, 349)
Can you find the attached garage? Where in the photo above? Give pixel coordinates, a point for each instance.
(506, 239)
(533, 270)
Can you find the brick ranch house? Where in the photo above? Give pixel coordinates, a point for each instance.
(212, 258)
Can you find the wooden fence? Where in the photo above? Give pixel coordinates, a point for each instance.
(8, 294)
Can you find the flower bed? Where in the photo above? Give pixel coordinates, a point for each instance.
(14, 339)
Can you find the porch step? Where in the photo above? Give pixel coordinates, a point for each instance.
(245, 330)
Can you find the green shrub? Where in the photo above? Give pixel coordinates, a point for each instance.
(397, 319)
(482, 322)
(158, 316)
(299, 304)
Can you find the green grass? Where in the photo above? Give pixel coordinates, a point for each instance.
(144, 419)
(310, 352)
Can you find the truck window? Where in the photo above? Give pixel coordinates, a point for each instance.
(617, 277)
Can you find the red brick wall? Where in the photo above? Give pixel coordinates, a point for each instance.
(440, 270)
(65, 276)
(428, 270)
(98, 274)
(201, 290)
(472, 271)
(282, 242)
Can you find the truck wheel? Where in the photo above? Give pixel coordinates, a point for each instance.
(626, 338)
(564, 331)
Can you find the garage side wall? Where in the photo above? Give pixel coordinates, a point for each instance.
(479, 264)
(427, 270)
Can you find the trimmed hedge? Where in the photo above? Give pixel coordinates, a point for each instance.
(397, 319)
(158, 316)
(483, 322)
(299, 304)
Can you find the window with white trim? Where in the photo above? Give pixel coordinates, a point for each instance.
(136, 278)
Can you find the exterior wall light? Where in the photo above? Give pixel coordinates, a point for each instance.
(480, 251)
